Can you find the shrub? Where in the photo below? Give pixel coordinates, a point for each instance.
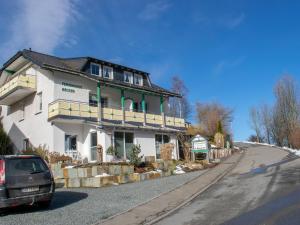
(111, 150)
(134, 157)
(5, 143)
(41, 151)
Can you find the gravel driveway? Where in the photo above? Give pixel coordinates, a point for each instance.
(87, 206)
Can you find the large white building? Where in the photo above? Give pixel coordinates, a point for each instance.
(55, 102)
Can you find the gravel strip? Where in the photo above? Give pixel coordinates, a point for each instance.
(87, 206)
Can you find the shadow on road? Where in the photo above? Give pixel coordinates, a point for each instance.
(263, 168)
(283, 210)
(60, 199)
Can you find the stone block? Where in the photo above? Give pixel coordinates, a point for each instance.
(154, 175)
(70, 173)
(73, 182)
(136, 177)
(144, 176)
(90, 182)
(127, 169)
(84, 172)
(97, 170)
(114, 169)
(60, 183)
(149, 159)
(108, 180)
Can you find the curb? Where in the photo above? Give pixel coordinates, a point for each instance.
(196, 194)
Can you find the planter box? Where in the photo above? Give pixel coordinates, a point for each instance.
(73, 182)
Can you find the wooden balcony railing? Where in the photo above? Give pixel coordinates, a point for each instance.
(70, 109)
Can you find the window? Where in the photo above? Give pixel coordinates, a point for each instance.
(93, 101)
(123, 144)
(104, 102)
(108, 72)
(22, 112)
(95, 69)
(26, 144)
(135, 107)
(138, 79)
(93, 143)
(128, 77)
(39, 102)
(160, 139)
(70, 143)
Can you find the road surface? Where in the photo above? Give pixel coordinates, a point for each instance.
(263, 189)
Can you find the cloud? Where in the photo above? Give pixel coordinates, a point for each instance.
(223, 65)
(153, 10)
(234, 22)
(41, 25)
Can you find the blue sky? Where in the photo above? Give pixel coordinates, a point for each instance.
(231, 52)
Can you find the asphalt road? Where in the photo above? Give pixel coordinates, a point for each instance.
(83, 206)
(263, 189)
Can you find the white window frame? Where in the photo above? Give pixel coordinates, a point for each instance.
(130, 77)
(141, 79)
(111, 74)
(22, 112)
(91, 71)
(39, 102)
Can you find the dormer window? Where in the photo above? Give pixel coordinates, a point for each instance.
(128, 77)
(95, 69)
(108, 72)
(138, 79)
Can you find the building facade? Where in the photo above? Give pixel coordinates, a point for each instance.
(71, 105)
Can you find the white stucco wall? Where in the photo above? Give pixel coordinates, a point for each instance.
(34, 125)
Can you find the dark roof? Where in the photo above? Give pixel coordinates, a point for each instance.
(76, 65)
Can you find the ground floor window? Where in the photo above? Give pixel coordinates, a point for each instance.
(123, 142)
(160, 139)
(93, 144)
(26, 145)
(70, 143)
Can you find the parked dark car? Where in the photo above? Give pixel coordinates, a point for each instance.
(25, 180)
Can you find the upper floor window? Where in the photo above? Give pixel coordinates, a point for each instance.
(108, 72)
(138, 79)
(128, 77)
(95, 69)
(93, 101)
(39, 102)
(22, 112)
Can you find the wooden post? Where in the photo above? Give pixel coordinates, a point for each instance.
(99, 103)
(162, 111)
(144, 108)
(123, 105)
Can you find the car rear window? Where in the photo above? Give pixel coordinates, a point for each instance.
(18, 166)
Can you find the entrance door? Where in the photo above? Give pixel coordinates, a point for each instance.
(160, 139)
(93, 146)
(123, 144)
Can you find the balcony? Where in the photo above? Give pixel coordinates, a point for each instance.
(17, 88)
(64, 109)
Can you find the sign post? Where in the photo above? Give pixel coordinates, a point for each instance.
(200, 145)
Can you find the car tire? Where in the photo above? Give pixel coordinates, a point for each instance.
(45, 204)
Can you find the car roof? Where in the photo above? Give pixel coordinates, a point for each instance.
(18, 156)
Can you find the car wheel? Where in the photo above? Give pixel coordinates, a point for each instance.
(45, 204)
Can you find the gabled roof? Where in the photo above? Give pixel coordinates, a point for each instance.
(76, 66)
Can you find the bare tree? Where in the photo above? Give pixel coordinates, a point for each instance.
(255, 120)
(286, 109)
(210, 116)
(266, 121)
(179, 107)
